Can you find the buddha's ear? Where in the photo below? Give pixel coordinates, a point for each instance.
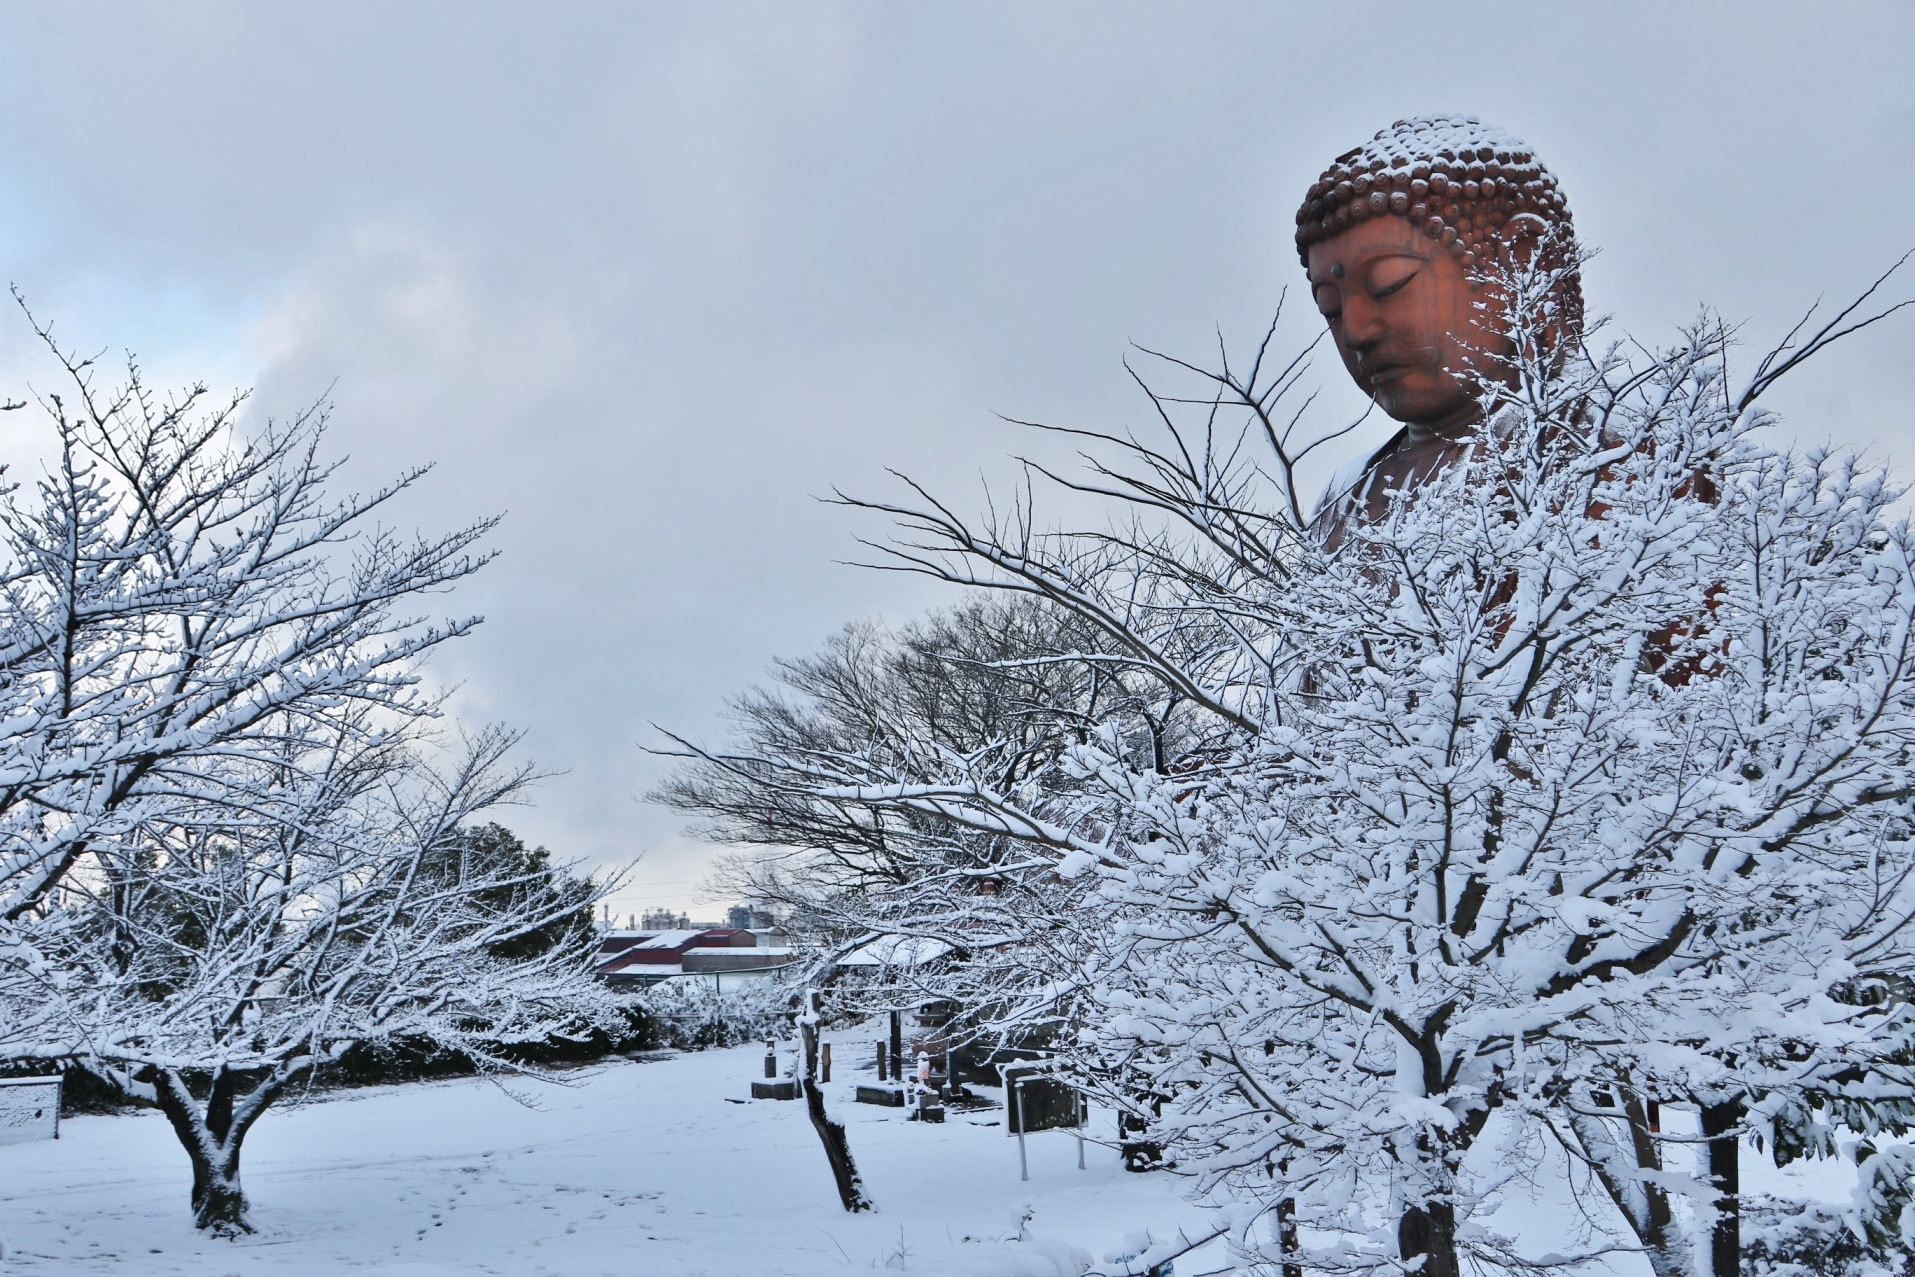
(1561, 328)
(1556, 321)
(1555, 252)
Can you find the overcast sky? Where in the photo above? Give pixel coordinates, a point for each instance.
(649, 279)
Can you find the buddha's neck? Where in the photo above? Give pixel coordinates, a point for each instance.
(1452, 428)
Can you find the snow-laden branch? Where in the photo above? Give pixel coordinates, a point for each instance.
(1578, 781)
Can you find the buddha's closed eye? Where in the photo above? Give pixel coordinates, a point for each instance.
(1391, 274)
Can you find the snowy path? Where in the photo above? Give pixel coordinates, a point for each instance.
(637, 1168)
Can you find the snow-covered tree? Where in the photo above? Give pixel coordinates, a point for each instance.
(990, 674)
(220, 959)
(500, 855)
(1000, 681)
(174, 588)
(224, 857)
(1578, 783)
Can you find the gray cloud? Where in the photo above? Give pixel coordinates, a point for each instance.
(651, 278)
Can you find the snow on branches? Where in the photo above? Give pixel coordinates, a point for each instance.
(225, 854)
(174, 590)
(1577, 784)
(221, 960)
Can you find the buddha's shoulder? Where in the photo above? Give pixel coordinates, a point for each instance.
(1353, 474)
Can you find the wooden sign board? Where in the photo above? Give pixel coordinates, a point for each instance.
(1035, 1101)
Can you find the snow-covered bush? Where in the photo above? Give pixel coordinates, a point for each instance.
(1810, 1239)
(691, 1014)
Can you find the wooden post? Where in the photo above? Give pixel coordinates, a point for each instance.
(1017, 1099)
(771, 1060)
(883, 1073)
(824, 1062)
(897, 1045)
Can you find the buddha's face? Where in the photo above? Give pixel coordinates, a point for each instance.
(1415, 333)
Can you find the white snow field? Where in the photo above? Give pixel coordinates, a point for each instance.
(633, 1168)
(630, 1168)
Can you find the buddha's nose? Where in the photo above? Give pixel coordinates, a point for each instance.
(1363, 325)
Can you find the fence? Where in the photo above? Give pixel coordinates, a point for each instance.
(29, 1109)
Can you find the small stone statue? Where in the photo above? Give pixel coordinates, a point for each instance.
(1403, 238)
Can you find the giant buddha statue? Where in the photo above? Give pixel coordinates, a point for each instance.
(1407, 240)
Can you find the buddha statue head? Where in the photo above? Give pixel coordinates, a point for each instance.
(1411, 242)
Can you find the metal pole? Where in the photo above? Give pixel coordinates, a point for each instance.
(1083, 1116)
(1023, 1161)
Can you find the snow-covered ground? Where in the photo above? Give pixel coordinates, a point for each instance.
(633, 1167)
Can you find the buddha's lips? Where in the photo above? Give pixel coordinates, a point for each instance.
(1386, 369)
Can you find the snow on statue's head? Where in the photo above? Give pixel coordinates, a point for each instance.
(1406, 239)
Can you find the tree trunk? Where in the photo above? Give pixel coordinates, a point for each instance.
(1640, 1199)
(219, 1204)
(1287, 1240)
(1721, 1126)
(1656, 1229)
(212, 1137)
(831, 1134)
(1429, 1232)
(1427, 1229)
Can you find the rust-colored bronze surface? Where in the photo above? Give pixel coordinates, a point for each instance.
(1403, 239)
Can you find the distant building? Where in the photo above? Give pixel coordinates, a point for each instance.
(635, 959)
(619, 940)
(664, 920)
(746, 918)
